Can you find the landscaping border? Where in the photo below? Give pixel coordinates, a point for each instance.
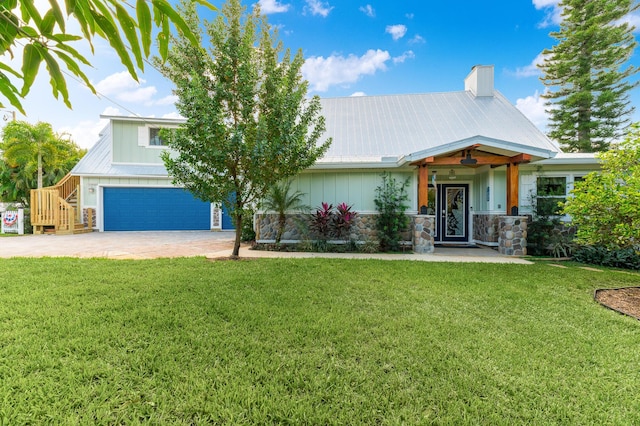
(608, 306)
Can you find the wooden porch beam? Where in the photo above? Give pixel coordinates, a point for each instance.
(520, 158)
(481, 160)
(512, 187)
(423, 187)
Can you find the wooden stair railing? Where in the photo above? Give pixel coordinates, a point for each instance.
(50, 207)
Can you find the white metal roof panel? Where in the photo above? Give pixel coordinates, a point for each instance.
(386, 130)
(401, 125)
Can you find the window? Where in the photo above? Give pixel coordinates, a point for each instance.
(550, 191)
(154, 137)
(149, 135)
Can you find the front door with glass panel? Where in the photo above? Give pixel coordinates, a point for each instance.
(452, 213)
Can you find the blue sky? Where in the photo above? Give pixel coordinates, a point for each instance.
(352, 48)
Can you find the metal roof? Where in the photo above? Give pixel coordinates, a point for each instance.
(406, 127)
(389, 131)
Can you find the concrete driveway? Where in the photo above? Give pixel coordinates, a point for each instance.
(119, 245)
(151, 245)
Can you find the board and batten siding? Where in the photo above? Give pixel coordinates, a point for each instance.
(126, 149)
(357, 189)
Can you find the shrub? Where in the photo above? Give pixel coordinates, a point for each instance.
(326, 223)
(549, 236)
(391, 203)
(248, 234)
(320, 222)
(281, 200)
(627, 258)
(343, 221)
(604, 206)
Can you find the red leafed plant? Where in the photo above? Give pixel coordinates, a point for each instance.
(321, 221)
(343, 221)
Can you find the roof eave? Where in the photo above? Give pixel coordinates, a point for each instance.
(537, 153)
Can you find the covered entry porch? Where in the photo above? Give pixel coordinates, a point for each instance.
(472, 193)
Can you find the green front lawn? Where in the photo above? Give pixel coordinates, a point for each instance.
(312, 341)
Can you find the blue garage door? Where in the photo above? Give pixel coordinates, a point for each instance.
(154, 209)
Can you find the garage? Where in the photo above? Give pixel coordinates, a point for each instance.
(155, 209)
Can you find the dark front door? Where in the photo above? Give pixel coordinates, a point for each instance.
(453, 213)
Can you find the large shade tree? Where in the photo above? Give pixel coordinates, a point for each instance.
(249, 122)
(33, 156)
(129, 27)
(588, 75)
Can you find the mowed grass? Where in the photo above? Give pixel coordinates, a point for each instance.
(315, 341)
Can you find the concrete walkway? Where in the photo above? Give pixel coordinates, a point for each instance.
(442, 254)
(151, 245)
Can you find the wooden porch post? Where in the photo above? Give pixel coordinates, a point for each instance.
(423, 187)
(512, 188)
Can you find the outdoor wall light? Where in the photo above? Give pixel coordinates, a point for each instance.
(92, 189)
(452, 174)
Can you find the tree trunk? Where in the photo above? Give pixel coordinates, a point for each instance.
(282, 222)
(236, 244)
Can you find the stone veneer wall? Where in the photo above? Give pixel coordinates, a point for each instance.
(90, 221)
(511, 231)
(486, 228)
(423, 231)
(513, 235)
(217, 217)
(266, 226)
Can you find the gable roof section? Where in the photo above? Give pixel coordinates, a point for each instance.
(97, 162)
(387, 131)
(405, 128)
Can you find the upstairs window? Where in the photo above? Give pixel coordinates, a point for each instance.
(154, 137)
(149, 135)
(550, 191)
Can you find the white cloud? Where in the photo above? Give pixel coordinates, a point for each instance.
(533, 107)
(173, 115)
(530, 70)
(358, 94)
(272, 6)
(541, 4)
(417, 39)
(142, 95)
(368, 10)
(86, 133)
(167, 100)
(116, 83)
(323, 73)
(396, 31)
(409, 15)
(406, 55)
(113, 111)
(633, 20)
(124, 88)
(317, 7)
(553, 12)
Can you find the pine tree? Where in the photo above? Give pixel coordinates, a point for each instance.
(588, 76)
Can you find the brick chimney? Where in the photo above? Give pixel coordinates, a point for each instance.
(480, 80)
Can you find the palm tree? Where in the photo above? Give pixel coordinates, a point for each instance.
(280, 200)
(26, 144)
(34, 156)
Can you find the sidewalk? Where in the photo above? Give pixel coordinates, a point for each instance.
(442, 254)
(212, 245)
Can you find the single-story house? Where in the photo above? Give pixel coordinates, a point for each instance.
(475, 164)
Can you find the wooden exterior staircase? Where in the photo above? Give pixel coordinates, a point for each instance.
(56, 209)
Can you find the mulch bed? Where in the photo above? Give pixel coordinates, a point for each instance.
(623, 300)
